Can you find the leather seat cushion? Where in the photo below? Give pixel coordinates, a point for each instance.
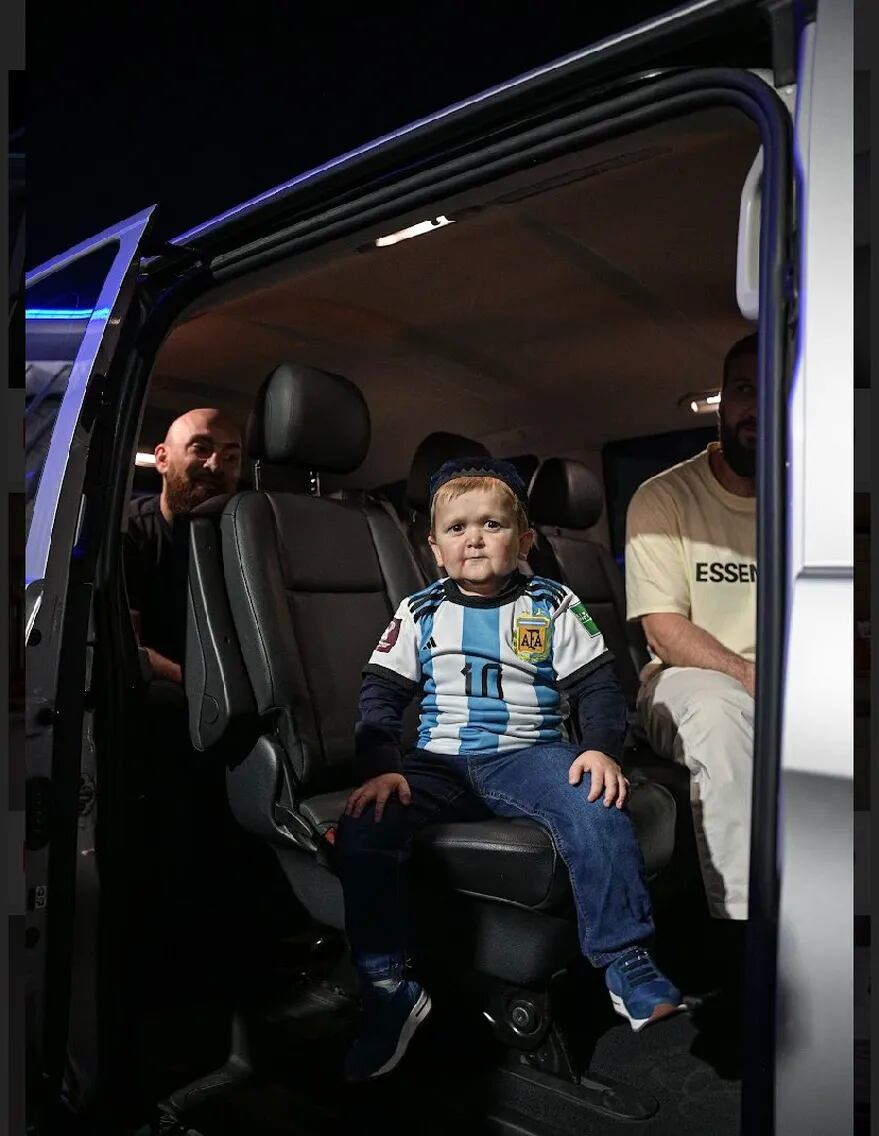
(515, 861)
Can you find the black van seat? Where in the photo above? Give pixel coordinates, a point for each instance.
(565, 501)
(514, 861)
(309, 584)
(429, 456)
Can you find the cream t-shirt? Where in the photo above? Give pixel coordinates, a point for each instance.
(691, 548)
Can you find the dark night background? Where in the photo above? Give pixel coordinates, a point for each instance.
(199, 110)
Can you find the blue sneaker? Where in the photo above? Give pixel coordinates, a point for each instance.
(389, 1023)
(639, 991)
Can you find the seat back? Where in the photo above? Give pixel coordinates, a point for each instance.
(566, 500)
(433, 451)
(310, 583)
(309, 599)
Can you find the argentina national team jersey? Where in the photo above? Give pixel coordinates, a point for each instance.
(491, 672)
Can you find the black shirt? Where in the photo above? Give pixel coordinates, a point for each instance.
(155, 578)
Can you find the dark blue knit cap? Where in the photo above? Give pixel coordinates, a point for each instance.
(480, 467)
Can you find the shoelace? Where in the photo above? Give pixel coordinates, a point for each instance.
(639, 968)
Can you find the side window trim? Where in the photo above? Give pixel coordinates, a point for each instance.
(128, 235)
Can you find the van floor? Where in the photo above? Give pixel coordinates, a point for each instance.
(456, 1079)
(449, 1084)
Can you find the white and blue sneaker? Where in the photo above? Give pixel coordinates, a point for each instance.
(639, 991)
(390, 1020)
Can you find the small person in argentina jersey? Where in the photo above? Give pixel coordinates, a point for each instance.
(499, 662)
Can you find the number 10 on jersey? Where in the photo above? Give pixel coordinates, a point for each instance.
(487, 672)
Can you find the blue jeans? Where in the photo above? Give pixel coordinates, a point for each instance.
(597, 844)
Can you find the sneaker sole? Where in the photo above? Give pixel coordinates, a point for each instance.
(417, 1016)
(663, 1010)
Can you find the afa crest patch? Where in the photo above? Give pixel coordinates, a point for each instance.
(532, 637)
(586, 619)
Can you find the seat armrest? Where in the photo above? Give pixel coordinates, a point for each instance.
(261, 798)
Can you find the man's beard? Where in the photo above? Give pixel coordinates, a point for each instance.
(184, 495)
(741, 458)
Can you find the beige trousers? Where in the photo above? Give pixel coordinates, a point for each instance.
(705, 720)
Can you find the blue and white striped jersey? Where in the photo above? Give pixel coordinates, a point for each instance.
(492, 671)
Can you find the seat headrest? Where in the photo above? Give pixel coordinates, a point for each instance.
(430, 455)
(565, 493)
(309, 419)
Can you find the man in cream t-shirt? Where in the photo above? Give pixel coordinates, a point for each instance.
(691, 578)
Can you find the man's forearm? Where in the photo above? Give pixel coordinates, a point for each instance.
(160, 665)
(680, 643)
(163, 667)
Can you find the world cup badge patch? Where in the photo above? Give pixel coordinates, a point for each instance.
(389, 636)
(532, 637)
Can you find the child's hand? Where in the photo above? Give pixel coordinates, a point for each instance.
(378, 789)
(605, 774)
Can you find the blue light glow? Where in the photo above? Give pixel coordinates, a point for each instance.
(66, 313)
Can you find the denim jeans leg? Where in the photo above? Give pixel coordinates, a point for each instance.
(598, 844)
(372, 857)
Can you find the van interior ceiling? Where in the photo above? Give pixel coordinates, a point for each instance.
(604, 279)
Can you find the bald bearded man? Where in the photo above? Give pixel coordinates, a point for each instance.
(200, 458)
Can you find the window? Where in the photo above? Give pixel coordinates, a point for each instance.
(58, 310)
